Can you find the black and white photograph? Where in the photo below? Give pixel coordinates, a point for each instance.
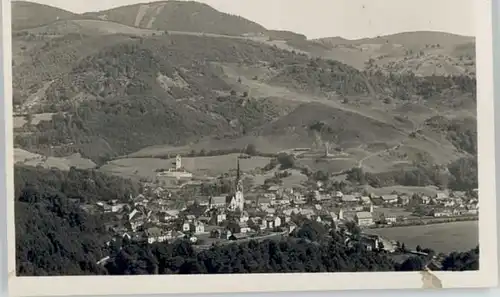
(218, 137)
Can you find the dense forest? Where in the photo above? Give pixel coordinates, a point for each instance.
(55, 236)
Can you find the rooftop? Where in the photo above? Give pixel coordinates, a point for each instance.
(390, 197)
(364, 215)
(349, 198)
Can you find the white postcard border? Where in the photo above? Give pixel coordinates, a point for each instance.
(487, 276)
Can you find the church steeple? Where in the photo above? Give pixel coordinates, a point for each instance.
(238, 175)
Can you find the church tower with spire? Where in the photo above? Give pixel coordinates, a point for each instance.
(238, 196)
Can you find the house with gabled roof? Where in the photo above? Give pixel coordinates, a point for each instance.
(155, 234)
(349, 198)
(217, 201)
(391, 198)
(364, 218)
(442, 196)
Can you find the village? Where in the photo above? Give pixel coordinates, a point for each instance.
(274, 211)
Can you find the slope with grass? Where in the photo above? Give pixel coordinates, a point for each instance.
(417, 39)
(422, 53)
(187, 16)
(30, 15)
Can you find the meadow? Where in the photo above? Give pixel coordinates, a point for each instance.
(445, 238)
(203, 166)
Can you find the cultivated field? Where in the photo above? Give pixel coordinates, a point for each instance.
(446, 237)
(203, 166)
(329, 165)
(263, 144)
(294, 180)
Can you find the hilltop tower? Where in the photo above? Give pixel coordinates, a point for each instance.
(178, 162)
(371, 207)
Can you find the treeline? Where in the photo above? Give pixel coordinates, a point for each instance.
(462, 175)
(403, 86)
(462, 261)
(310, 249)
(331, 76)
(84, 186)
(462, 133)
(268, 256)
(246, 152)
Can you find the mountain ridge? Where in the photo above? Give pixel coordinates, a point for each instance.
(261, 29)
(27, 14)
(395, 37)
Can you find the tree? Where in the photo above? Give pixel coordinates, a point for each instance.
(380, 245)
(311, 230)
(251, 149)
(248, 182)
(353, 228)
(234, 227)
(321, 175)
(286, 161)
(413, 264)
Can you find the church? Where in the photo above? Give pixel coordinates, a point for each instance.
(237, 201)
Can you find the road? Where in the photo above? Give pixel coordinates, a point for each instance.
(360, 163)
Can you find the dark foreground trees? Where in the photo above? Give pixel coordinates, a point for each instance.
(54, 235)
(269, 256)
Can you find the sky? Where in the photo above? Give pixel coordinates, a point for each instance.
(327, 18)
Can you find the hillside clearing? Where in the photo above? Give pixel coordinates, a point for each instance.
(64, 163)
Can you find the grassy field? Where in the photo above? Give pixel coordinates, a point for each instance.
(329, 165)
(20, 121)
(31, 159)
(429, 191)
(294, 180)
(447, 237)
(263, 144)
(211, 166)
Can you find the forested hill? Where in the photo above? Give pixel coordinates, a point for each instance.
(54, 234)
(125, 93)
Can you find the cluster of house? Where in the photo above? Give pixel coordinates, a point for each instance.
(458, 203)
(153, 219)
